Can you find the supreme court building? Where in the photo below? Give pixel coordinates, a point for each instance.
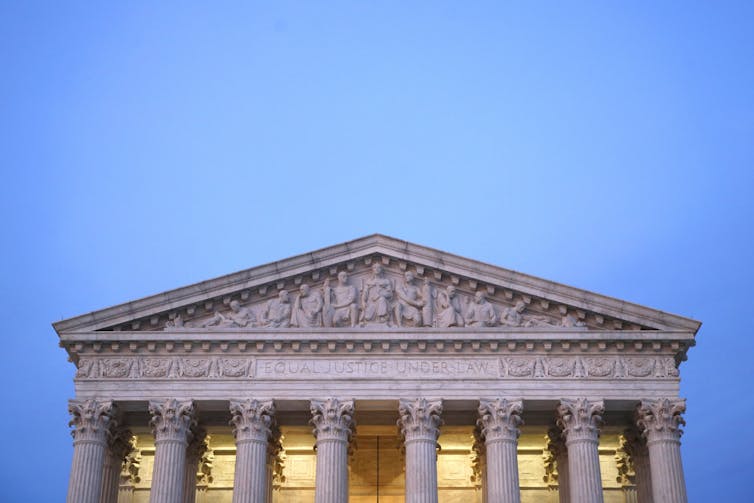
(377, 371)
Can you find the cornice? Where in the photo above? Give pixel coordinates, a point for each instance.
(379, 342)
(320, 262)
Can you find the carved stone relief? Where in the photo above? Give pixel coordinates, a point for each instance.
(377, 298)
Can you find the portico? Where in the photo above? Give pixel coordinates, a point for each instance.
(362, 382)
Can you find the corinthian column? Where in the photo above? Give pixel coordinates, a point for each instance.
(420, 422)
(333, 423)
(251, 421)
(119, 443)
(580, 420)
(479, 464)
(660, 423)
(171, 423)
(91, 421)
(499, 420)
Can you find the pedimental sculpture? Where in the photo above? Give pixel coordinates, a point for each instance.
(468, 382)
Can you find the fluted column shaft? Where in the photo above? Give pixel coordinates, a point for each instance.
(119, 446)
(499, 420)
(564, 483)
(90, 420)
(420, 422)
(172, 422)
(643, 475)
(580, 420)
(251, 421)
(660, 422)
(333, 422)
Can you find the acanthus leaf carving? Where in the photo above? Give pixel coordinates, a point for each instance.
(332, 419)
(172, 419)
(500, 418)
(580, 418)
(252, 419)
(661, 419)
(91, 419)
(420, 418)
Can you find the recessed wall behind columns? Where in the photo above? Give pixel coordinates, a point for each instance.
(454, 465)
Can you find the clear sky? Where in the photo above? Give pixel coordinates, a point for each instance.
(149, 145)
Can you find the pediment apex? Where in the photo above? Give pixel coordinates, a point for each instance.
(545, 300)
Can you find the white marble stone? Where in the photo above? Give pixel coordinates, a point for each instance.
(333, 425)
(419, 421)
(91, 421)
(172, 422)
(660, 422)
(252, 422)
(499, 420)
(580, 420)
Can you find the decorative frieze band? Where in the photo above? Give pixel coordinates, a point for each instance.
(608, 367)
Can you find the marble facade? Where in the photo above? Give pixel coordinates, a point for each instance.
(377, 370)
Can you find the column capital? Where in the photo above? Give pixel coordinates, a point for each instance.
(332, 419)
(661, 419)
(91, 419)
(251, 419)
(172, 420)
(580, 418)
(119, 440)
(420, 418)
(500, 418)
(129, 474)
(478, 461)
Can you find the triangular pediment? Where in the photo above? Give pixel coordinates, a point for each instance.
(388, 283)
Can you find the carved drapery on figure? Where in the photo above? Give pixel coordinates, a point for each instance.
(377, 298)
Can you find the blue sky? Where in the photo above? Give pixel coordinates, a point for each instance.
(606, 145)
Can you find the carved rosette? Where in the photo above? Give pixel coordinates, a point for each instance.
(91, 420)
(332, 419)
(251, 419)
(580, 419)
(661, 419)
(172, 420)
(420, 419)
(499, 419)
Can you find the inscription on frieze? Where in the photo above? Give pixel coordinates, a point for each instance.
(388, 368)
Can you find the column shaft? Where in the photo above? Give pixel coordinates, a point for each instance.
(85, 483)
(668, 484)
(643, 476)
(564, 484)
(584, 479)
(332, 472)
(111, 478)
